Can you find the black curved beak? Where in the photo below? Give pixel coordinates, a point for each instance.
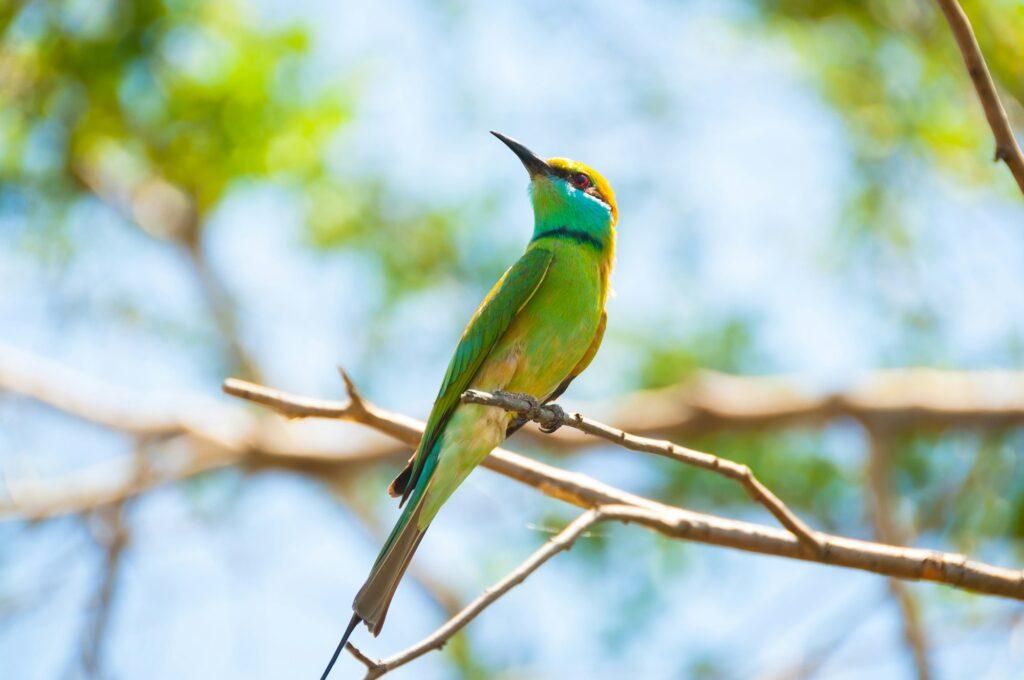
(533, 163)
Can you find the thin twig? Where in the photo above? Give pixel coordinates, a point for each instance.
(586, 492)
(559, 543)
(1007, 148)
(550, 415)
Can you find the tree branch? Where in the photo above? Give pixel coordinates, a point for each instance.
(1007, 149)
(251, 442)
(220, 435)
(551, 415)
(200, 434)
(586, 492)
(112, 536)
(559, 543)
(910, 398)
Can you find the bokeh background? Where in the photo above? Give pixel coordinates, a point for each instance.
(268, 189)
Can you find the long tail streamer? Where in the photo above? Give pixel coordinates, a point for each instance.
(341, 645)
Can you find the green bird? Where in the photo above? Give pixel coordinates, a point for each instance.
(538, 328)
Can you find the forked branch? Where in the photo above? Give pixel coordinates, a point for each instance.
(586, 492)
(550, 417)
(559, 543)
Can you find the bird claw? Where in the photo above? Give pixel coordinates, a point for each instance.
(549, 417)
(552, 422)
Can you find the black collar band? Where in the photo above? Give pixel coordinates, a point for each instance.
(577, 235)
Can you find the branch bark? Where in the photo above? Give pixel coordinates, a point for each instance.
(551, 415)
(246, 442)
(219, 435)
(586, 492)
(200, 434)
(911, 398)
(1007, 148)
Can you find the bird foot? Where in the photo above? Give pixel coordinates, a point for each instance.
(551, 418)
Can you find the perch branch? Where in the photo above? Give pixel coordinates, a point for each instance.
(586, 492)
(909, 399)
(559, 543)
(231, 436)
(551, 415)
(1007, 148)
(219, 435)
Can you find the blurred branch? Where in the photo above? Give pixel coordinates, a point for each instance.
(111, 535)
(221, 306)
(882, 515)
(1007, 149)
(109, 528)
(200, 434)
(912, 398)
(586, 492)
(205, 434)
(167, 212)
(551, 416)
(559, 543)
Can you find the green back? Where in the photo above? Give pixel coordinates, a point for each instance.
(495, 314)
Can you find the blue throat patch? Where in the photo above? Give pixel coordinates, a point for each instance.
(562, 211)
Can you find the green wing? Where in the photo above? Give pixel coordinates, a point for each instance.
(495, 314)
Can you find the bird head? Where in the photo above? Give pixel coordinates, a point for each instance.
(568, 191)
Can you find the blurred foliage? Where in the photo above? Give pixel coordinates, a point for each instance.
(965, 487)
(794, 464)
(177, 98)
(893, 72)
(159, 108)
(721, 345)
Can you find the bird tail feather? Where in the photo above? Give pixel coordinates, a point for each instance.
(374, 598)
(341, 645)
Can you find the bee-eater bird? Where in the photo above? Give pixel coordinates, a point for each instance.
(538, 328)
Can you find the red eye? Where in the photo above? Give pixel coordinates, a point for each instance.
(580, 181)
